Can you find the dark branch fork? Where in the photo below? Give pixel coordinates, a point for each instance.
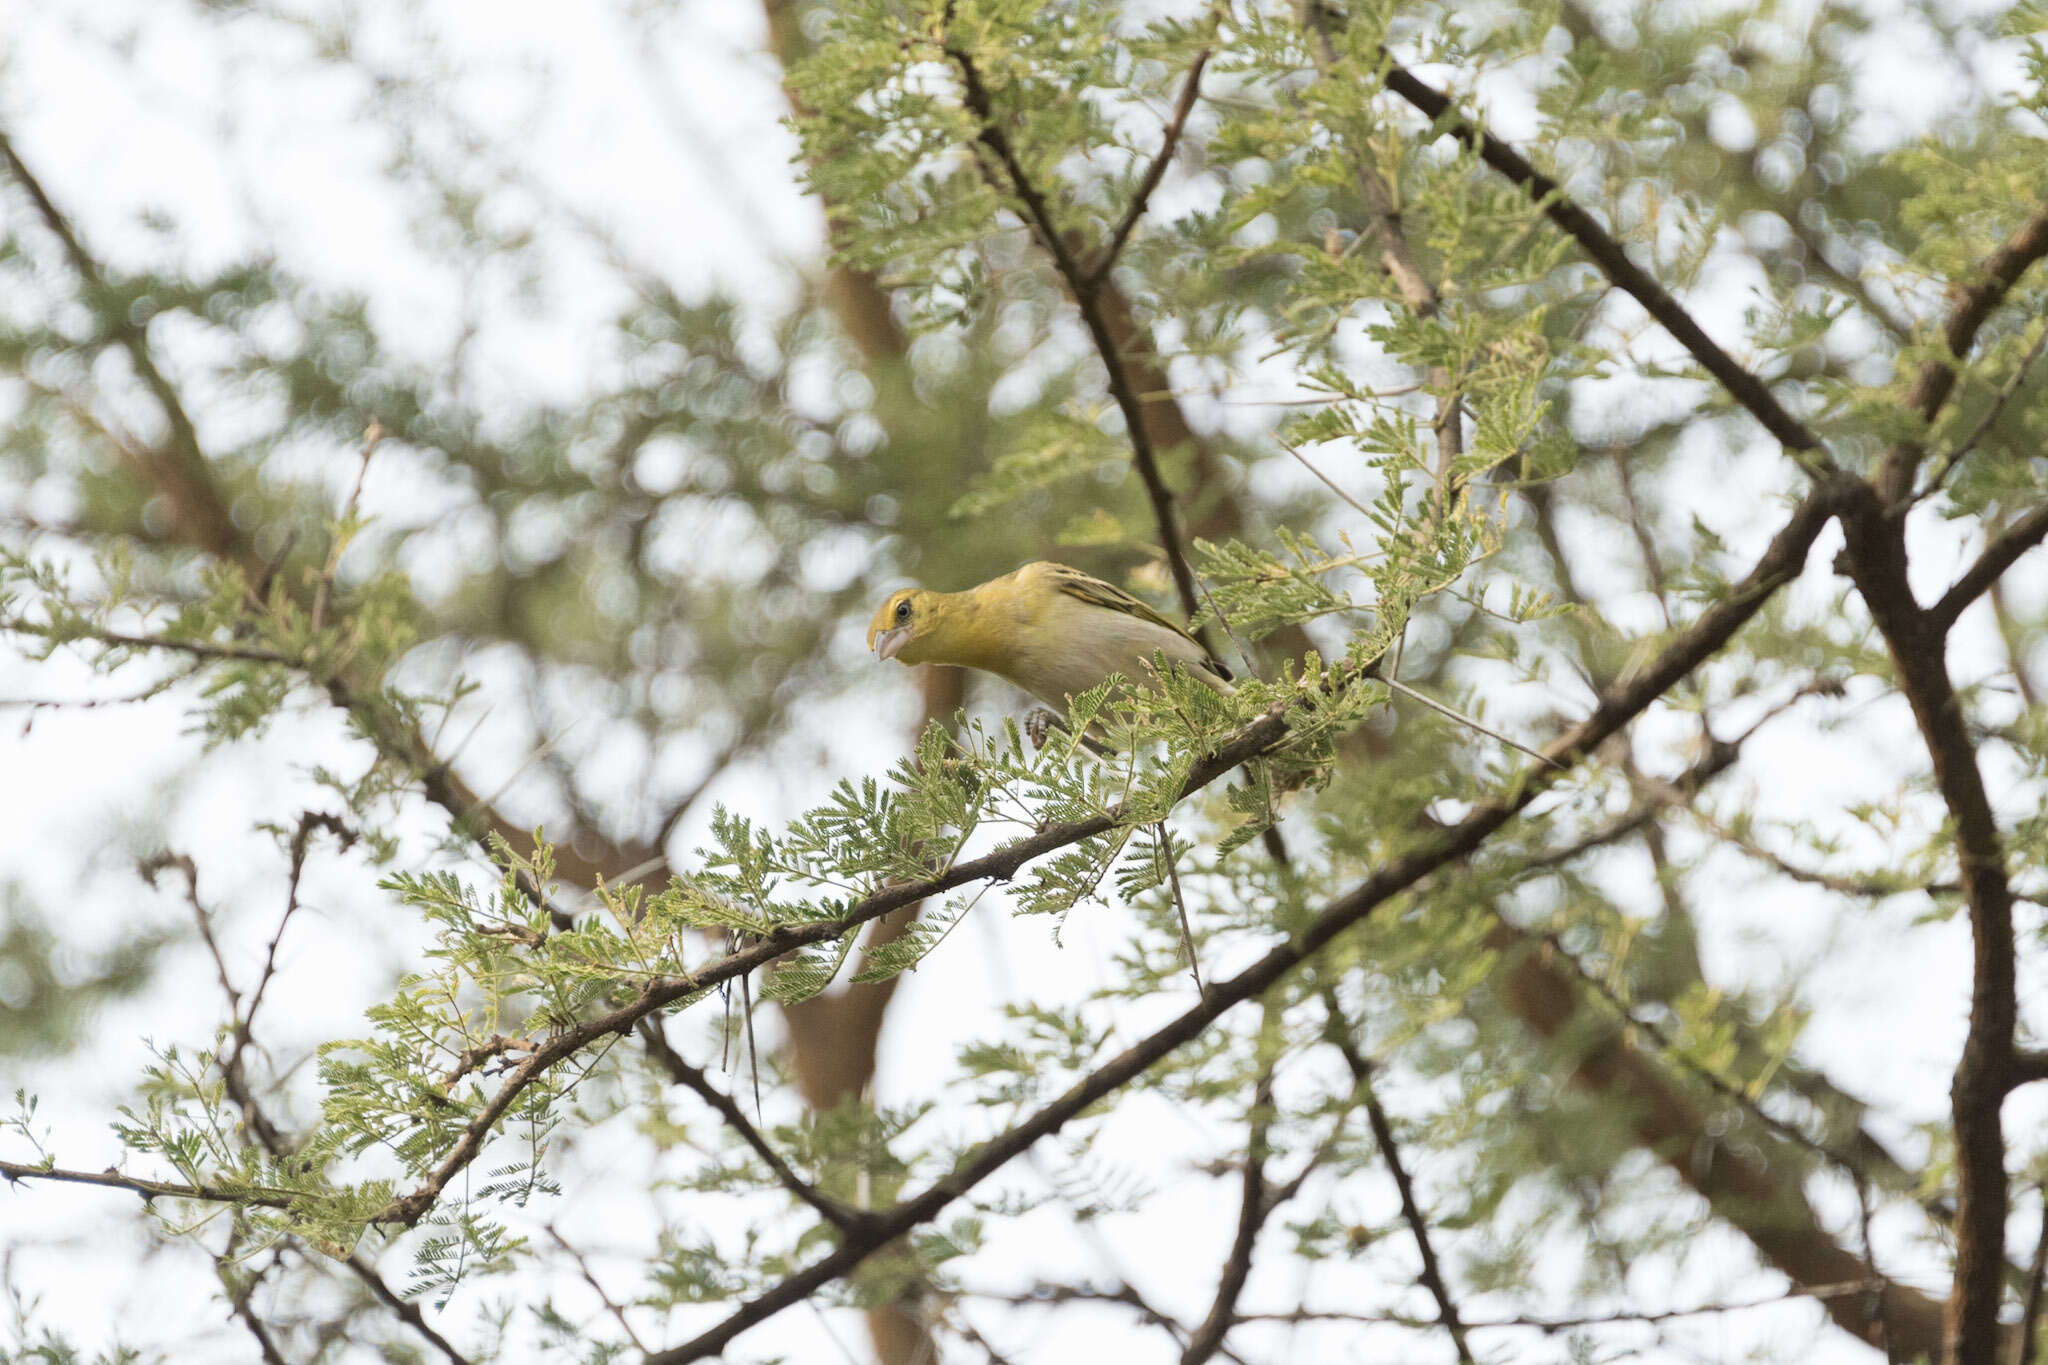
(1872, 518)
(1085, 285)
(1875, 558)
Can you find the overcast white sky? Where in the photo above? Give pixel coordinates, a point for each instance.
(232, 129)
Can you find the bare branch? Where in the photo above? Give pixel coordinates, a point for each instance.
(203, 1192)
(693, 1078)
(1190, 91)
(597, 1288)
(1337, 1029)
(2000, 554)
(1252, 1209)
(407, 1311)
(1053, 1294)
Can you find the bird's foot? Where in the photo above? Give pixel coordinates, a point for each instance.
(1039, 722)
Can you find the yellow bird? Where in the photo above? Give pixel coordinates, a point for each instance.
(1051, 630)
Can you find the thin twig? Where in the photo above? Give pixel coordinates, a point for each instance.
(1190, 91)
(1990, 417)
(597, 1288)
(238, 1303)
(203, 1192)
(1187, 933)
(407, 1311)
(2000, 553)
(1547, 1325)
(1253, 1207)
(1328, 482)
(373, 436)
(1468, 722)
(1337, 1029)
(693, 1078)
(1727, 1089)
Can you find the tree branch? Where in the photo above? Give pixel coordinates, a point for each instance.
(1971, 305)
(406, 1310)
(1876, 560)
(1190, 91)
(999, 865)
(2000, 553)
(1606, 253)
(1992, 411)
(1337, 1029)
(693, 1078)
(1252, 1209)
(203, 1192)
(202, 513)
(1084, 288)
(1715, 626)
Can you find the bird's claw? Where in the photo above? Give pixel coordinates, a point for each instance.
(1038, 725)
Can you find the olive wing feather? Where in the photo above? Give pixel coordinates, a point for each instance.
(1097, 593)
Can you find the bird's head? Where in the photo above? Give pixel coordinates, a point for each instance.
(901, 623)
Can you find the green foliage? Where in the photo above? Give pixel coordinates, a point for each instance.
(1410, 434)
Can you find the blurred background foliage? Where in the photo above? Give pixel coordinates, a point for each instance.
(606, 560)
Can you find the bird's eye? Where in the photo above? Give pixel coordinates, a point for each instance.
(903, 611)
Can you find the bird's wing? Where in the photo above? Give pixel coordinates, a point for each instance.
(1097, 593)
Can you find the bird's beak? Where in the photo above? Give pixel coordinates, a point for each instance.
(886, 643)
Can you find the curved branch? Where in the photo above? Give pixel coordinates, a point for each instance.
(1338, 1031)
(1780, 563)
(1608, 254)
(111, 1179)
(2000, 554)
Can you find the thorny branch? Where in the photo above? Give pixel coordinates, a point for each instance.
(1337, 1029)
